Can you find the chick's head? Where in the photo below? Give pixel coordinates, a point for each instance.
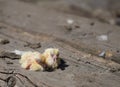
(51, 57)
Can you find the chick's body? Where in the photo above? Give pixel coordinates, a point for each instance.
(30, 60)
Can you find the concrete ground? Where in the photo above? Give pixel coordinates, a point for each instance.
(80, 43)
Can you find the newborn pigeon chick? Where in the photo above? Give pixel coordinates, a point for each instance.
(36, 61)
(31, 61)
(51, 58)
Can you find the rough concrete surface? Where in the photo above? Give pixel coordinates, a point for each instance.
(38, 24)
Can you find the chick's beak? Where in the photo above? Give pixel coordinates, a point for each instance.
(54, 57)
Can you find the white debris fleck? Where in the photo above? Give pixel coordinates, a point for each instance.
(102, 54)
(102, 38)
(70, 21)
(18, 52)
(16, 86)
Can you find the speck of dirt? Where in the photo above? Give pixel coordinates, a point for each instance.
(8, 16)
(84, 34)
(76, 65)
(113, 70)
(118, 21)
(2, 27)
(78, 59)
(118, 15)
(87, 62)
(9, 63)
(30, 1)
(77, 26)
(33, 45)
(117, 51)
(28, 15)
(92, 23)
(4, 41)
(69, 28)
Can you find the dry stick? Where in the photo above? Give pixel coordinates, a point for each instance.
(16, 75)
(20, 80)
(26, 79)
(11, 81)
(7, 72)
(9, 57)
(30, 80)
(2, 79)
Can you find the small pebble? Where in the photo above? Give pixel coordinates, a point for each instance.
(70, 21)
(102, 38)
(78, 59)
(77, 26)
(28, 15)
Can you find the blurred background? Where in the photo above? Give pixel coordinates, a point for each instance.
(93, 23)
